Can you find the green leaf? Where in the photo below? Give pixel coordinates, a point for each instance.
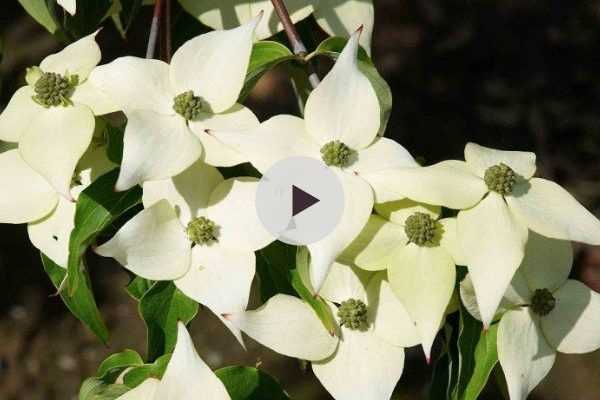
(332, 48)
(265, 56)
(98, 207)
(162, 307)
(273, 264)
(136, 375)
(113, 365)
(114, 148)
(138, 287)
(81, 303)
(96, 389)
(246, 383)
(88, 17)
(125, 13)
(319, 305)
(41, 11)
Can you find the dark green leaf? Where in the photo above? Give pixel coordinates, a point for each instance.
(125, 14)
(333, 46)
(298, 277)
(273, 264)
(96, 389)
(81, 303)
(88, 17)
(41, 11)
(138, 287)
(265, 56)
(136, 375)
(98, 206)
(113, 365)
(114, 149)
(161, 308)
(246, 383)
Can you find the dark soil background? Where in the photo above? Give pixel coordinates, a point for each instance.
(514, 74)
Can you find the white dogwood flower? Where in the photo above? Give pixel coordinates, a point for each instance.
(420, 253)
(337, 18)
(198, 230)
(367, 360)
(186, 376)
(166, 104)
(70, 6)
(544, 312)
(30, 199)
(342, 119)
(500, 199)
(52, 118)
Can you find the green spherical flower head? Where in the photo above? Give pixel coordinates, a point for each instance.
(187, 105)
(420, 229)
(500, 178)
(52, 89)
(336, 153)
(542, 302)
(202, 231)
(353, 314)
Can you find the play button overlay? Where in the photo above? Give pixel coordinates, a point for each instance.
(300, 200)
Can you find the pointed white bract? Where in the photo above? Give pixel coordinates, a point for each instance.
(169, 107)
(157, 243)
(70, 6)
(186, 376)
(341, 113)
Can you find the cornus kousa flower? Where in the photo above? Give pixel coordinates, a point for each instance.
(366, 358)
(70, 6)
(337, 18)
(168, 107)
(501, 200)
(30, 199)
(52, 118)
(420, 253)
(186, 376)
(342, 119)
(198, 230)
(544, 313)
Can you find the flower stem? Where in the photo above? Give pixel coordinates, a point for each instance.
(154, 28)
(297, 45)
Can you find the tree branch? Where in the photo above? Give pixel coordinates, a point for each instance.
(158, 8)
(297, 45)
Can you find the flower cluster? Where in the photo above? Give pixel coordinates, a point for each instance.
(387, 272)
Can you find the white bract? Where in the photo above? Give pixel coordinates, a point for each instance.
(186, 376)
(367, 360)
(342, 119)
(337, 18)
(70, 6)
(500, 199)
(168, 107)
(52, 118)
(200, 208)
(419, 252)
(544, 312)
(30, 199)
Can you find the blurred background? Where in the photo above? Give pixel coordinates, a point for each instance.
(513, 74)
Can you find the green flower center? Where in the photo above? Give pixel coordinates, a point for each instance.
(420, 229)
(202, 231)
(542, 302)
(187, 105)
(500, 178)
(52, 89)
(336, 153)
(353, 314)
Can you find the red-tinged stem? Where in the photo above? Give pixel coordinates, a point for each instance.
(154, 28)
(297, 45)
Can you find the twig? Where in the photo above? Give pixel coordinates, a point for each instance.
(168, 34)
(297, 45)
(154, 29)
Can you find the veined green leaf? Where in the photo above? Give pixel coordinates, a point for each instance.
(273, 264)
(247, 383)
(81, 303)
(138, 287)
(41, 12)
(265, 56)
(332, 48)
(115, 364)
(162, 307)
(98, 207)
(96, 389)
(136, 375)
